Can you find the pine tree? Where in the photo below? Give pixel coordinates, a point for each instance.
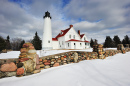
(21, 44)
(91, 42)
(108, 42)
(117, 41)
(37, 42)
(123, 42)
(2, 43)
(126, 40)
(8, 45)
(95, 42)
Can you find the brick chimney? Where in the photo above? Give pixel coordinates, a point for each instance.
(79, 32)
(71, 26)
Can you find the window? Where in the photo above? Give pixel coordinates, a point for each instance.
(69, 36)
(84, 38)
(74, 36)
(49, 41)
(85, 43)
(62, 43)
(68, 44)
(80, 44)
(74, 43)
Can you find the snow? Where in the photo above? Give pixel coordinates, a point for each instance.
(112, 71)
(15, 54)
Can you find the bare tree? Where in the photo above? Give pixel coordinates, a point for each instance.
(15, 43)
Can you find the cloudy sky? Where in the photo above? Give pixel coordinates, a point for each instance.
(96, 18)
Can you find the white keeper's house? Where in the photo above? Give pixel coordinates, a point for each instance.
(66, 39)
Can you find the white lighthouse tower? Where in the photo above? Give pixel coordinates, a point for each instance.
(47, 33)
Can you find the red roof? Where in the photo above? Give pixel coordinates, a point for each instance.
(76, 40)
(54, 39)
(86, 41)
(64, 32)
(82, 35)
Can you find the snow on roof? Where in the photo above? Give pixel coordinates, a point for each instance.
(54, 39)
(76, 40)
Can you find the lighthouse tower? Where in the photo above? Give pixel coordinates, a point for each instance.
(47, 33)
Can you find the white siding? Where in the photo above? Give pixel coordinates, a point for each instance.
(47, 34)
(72, 32)
(55, 44)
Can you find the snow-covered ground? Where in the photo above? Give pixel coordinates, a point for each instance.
(15, 54)
(112, 71)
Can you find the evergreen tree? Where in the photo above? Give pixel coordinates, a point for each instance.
(95, 42)
(8, 45)
(108, 42)
(123, 42)
(116, 40)
(37, 42)
(91, 42)
(126, 40)
(2, 43)
(21, 44)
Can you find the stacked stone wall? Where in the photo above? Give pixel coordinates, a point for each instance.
(62, 59)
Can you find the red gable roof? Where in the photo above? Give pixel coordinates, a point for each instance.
(64, 32)
(82, 35)
(54, 39)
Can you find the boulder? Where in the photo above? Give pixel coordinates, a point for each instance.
(20, 71)
(9, 74)
(56, 64)
(8, 67)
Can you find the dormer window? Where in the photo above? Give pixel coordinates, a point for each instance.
(84, 38)
(70, 36)
(74, 36)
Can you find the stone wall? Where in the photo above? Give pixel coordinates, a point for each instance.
(64, 58)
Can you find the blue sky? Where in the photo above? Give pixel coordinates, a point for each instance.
(96, 18)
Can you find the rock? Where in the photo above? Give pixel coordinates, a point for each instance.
(37, 67)
(59, 61)
(2, 74)
(19, 65)
(9, 74)
(52, 62)
(37, 59)
(47, 66)
(75, 57)
(29, 65)
(8, 67)
(23, 59)
(46, 63)
(40, 60)
(45, 60)
(41, 68)
(56, 56)
(20, 71)
(64, 63)
(23, 50)
(56, 64)
(62, 58)
(49, 61)
(42, 65)
(36, 71)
